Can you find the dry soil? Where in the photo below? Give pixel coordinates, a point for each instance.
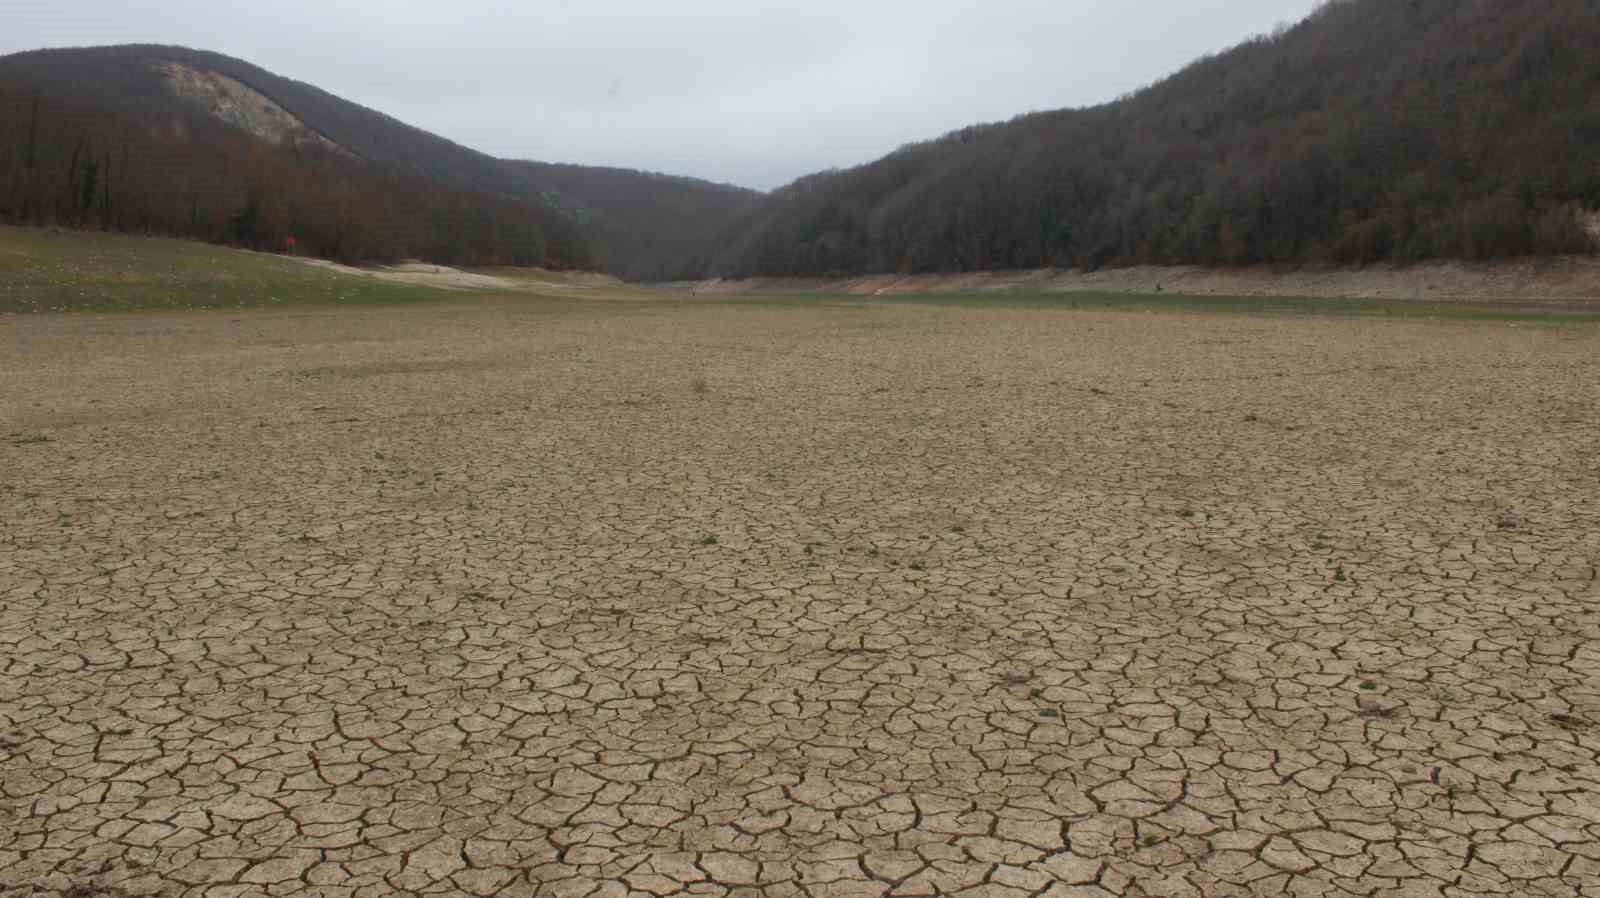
(557, 598)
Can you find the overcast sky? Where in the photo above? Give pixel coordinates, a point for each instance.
(752, 92)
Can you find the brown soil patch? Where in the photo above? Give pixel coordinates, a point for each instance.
(676, 598)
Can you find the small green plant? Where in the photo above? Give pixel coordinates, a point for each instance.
(1339, 576)
(1035, 693)
(809, 549)
(1447, 696)
(1049, 712)
(28, 439)
(872, 552)
(1151, 840)
(710, 539)
(1319, 546)
(63, 519)
(1368, 685)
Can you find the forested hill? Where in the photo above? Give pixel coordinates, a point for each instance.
(174, 141)
(644, 226)
(131, 78)
(1374, 130)
(197, 144)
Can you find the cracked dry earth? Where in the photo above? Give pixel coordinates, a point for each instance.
(837, 600)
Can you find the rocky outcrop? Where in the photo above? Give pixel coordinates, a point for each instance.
(243, 106)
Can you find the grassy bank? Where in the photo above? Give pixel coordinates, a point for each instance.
(49, 270)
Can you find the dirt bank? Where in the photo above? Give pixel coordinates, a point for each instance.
(444, 277)
(1564, 279)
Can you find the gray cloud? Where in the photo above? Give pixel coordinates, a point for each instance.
(749, 91)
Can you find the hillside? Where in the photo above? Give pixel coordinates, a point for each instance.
(1375, 130)
(105, 129)
(643, 226)
(135, 78)
(169, 141)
